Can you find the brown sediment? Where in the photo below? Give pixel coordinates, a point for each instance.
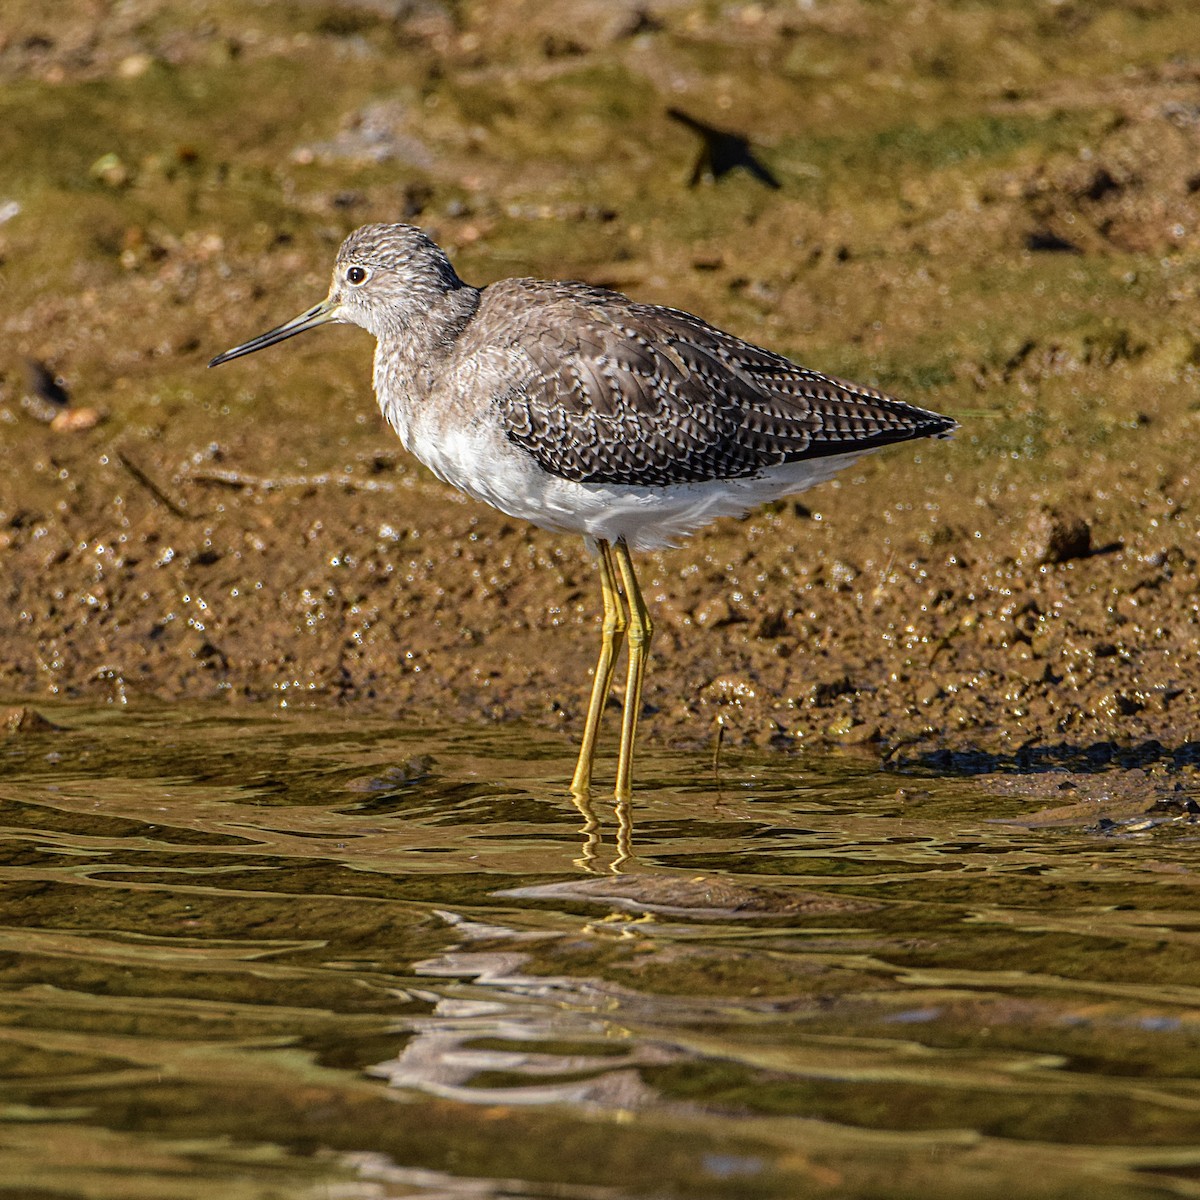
(992, 213)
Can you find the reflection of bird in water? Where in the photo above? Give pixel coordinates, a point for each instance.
(581, 411)
(553, 1039)
(721, 151)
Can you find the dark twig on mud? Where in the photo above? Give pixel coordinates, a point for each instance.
(238, 479)
(179, 508)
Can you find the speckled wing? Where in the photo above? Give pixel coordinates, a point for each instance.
(625, 393)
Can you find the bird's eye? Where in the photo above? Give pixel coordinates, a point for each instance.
(357, 275)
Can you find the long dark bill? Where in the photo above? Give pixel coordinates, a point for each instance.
(319, 314)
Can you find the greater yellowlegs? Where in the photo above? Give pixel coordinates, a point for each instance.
(584, 412)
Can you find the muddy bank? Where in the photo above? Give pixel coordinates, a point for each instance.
(990, 213)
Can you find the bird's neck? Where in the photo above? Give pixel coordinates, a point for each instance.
(428, 338)
(410, 358)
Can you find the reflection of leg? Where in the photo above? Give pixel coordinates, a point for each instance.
(640, 631)
(591, 834)
(624, 812)
(612, 632)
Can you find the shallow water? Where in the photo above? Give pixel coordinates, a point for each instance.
(275, 955)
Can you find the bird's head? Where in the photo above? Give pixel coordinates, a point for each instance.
(385, 278)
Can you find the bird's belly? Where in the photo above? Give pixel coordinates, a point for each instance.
(480, 461)
(649, 518)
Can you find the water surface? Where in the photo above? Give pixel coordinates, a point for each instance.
(275, 955)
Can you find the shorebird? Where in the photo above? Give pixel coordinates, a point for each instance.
(582, 411)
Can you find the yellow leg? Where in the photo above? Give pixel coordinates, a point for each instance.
(640, 631)
(612, 633)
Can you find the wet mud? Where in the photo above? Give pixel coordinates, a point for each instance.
(993, 211)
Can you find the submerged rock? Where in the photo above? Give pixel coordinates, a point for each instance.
(23, 719)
